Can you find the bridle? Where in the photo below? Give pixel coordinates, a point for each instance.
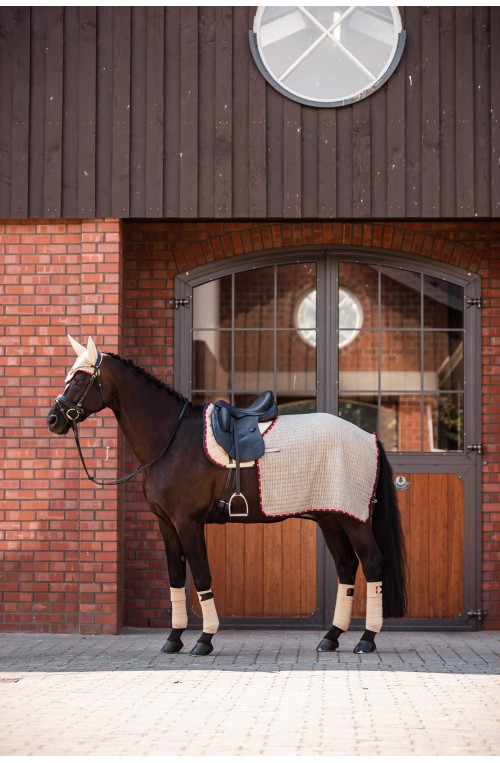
(75, 413)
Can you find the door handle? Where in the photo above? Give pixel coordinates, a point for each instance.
(401, 483)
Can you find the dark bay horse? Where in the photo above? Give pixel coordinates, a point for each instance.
(183, 488)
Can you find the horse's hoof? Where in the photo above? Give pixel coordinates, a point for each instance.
(365, 647)
(327, 645)
(172, 647)
(201, 649)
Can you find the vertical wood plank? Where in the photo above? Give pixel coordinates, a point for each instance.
(292, 179)
(171, 171)
(481, 112)
(87, 112)
(138, 178)
(154, 110)
(104, 143)
(447, 110)
(207, 119)
(257, 142)
(310, 162)
(413, 114)
(254, 571)
(273, 578)
(419, 578)
(37, 108)
(361, 159)
(223, 112)
(430, 111)
(327, 159)
(396, 127)
(378, 132)
(235, 569)
(274, 156)
(188, 191)
(344, 161)
(240, 98)
(439, 584)
(70, 127)
(291, 568)
(308, 581)
(54, 113)
(19, 35)
(121, 98)
(456, 545)
(464, 114)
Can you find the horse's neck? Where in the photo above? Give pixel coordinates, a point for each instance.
(146, 414)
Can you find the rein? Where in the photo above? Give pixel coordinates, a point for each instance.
(141, 468)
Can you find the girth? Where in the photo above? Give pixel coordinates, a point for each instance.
(237, 432)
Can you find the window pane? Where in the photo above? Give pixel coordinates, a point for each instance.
(400, 361)
(212, 304)
(443, 422)
(400, 303)
(443, 304)
(443, 360)
(254, 298)
(253, 360)
(358, 363)
(296, 362)
(361, 410)
(296, 287)
(403, 419)
(362, 282)
(211, 359)
(289, 404)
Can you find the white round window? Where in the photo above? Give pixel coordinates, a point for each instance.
(350, 317)
(327, 55)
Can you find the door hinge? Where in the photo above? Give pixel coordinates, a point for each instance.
(475, 302)
(476, 446)
(179, 302)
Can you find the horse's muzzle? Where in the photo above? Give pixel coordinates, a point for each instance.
(57, 422)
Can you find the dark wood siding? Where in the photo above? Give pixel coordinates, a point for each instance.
(161, 112)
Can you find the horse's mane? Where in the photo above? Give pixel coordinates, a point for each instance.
(147, 376)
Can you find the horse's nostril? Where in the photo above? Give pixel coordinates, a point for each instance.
(52, 420)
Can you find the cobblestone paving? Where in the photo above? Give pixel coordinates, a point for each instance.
(259, 693)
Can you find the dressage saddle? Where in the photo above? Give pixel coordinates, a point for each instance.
(237, 431)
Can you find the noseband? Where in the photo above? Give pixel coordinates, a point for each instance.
(74, 412)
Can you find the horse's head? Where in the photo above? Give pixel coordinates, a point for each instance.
(83, 394)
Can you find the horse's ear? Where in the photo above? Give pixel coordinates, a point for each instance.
(91, 351)
(78, 348)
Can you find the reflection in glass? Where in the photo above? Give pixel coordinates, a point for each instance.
(400, 298)
(443, 360)
(362, 282)
(295, 362)
(443, 304)
(400, 361)
(254, 298)
(405, 415)
(253, 360)
(296, 287)
(443, 422)
(212, 304)
(211, 359)
(358, 363)
(288, 404)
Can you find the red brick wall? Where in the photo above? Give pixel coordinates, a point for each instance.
(60, 538)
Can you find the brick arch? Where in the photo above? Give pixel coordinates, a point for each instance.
(417, 239)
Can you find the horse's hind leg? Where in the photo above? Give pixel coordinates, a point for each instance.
(346, 563)
(365, 546)
(176, 561)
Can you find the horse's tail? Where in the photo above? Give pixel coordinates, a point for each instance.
(386, 525)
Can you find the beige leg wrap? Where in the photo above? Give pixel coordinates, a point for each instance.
(179, 611)
(210, 619)
(374, 608)
(343, 606)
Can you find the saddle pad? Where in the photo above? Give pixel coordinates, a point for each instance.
(317, 462)
(215, 452)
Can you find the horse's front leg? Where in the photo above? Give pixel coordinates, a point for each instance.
(192, 537)
(176, 561)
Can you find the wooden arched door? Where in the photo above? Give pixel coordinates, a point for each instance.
(389, 348)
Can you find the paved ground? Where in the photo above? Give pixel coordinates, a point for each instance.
(259, 693)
